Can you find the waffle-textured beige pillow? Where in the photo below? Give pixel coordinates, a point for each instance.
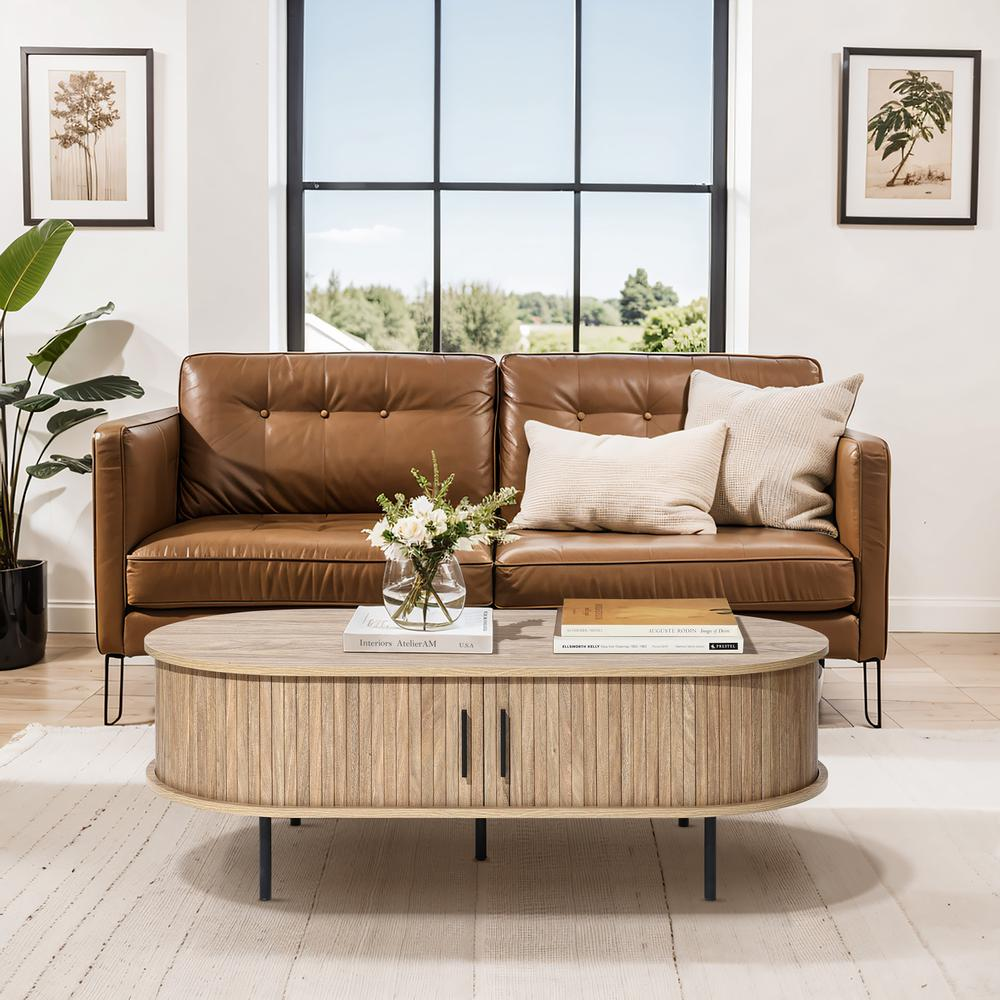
(613, 482)
(780, 451)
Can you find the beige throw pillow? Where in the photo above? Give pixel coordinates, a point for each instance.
(780, 451)
(613, 482)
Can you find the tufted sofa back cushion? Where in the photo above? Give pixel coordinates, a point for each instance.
(326, 433)
(638, 394)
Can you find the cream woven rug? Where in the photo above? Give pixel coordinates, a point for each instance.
(888, 885)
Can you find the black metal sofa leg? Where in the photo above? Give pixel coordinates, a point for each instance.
(877, 724)
(121, 687)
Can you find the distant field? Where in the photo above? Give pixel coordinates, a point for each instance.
(548, 338)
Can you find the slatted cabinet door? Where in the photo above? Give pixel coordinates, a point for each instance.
(328, 743)
(648, 743)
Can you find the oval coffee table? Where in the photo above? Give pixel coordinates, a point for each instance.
(261, 713)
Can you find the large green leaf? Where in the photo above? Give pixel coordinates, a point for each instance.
(83, 466)
(61, 341)
(45, 470)
(36, 404)
(26, 263)
(104, 387)
(11, 392)
(66, 419)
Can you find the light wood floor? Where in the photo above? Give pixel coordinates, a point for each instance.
(930, 681)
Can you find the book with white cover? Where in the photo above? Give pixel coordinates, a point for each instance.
(371, 630)
(639, 644)
(562, 643)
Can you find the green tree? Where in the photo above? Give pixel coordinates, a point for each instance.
(900, 124)
(638, 297)
(594, 312)
(375, 313)
(398, 322)
(676, 329)
(664, 295)
(475, 317)
(537, 307)
(488, 318)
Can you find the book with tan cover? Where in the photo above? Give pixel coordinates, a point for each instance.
(705, 616)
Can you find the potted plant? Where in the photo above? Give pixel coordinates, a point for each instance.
(24, 266)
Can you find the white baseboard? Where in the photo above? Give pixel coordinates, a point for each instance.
(906, 614)
(72, 616)
(944, 614)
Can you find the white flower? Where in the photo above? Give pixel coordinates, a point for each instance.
(395, 552)
(479, 539)
(465, 545)
(461, 515)
(411, 530)
(422, 506)
(376, 532)
(437, 522)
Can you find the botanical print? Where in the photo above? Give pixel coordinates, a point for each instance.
(909, 152)
(87, 147)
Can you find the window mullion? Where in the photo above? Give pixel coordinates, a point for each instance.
(577, 145)
(436, 292)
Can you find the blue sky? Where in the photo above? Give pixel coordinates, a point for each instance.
(507, 115)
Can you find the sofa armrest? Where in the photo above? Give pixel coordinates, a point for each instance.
(135, 493)
(861, 509)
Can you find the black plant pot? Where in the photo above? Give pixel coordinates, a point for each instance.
(23, 618)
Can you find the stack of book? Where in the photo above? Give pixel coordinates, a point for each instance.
(613, 626)
(370, 630)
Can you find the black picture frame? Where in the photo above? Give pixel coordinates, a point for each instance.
(843, 218)
(30, 218)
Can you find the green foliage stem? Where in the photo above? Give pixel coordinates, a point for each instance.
(24, 266)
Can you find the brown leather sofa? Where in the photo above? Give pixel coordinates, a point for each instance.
(254, 491)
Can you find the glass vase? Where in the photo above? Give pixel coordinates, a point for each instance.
(424, 595)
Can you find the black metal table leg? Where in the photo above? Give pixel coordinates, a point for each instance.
(877, 724)
(710, 858)
(480, 840)
(295, 822)
(265, 858)
(684, 822)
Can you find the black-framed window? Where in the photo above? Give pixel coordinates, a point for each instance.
(496, 175)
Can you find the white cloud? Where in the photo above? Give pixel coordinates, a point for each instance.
(359, 235)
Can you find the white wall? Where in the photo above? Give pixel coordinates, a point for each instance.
(144, 272)
(913, 308)
(199, 281)
(228, 208)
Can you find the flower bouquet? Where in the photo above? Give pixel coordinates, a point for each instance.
(423, 586)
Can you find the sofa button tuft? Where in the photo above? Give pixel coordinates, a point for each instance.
(580, 415)
(324, 413)
(265, 413)
(647, 416)
(383, 413)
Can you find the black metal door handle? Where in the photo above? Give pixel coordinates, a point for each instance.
(464, 752)
(504, 745)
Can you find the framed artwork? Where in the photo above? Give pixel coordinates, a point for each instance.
(87, 135)
(909, 137)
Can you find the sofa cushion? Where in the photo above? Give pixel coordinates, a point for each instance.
(755, 568)
(327, 433)
(272, 559)
(781, 448)
(619, 482)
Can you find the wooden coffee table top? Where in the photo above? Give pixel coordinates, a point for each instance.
(306, 642)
